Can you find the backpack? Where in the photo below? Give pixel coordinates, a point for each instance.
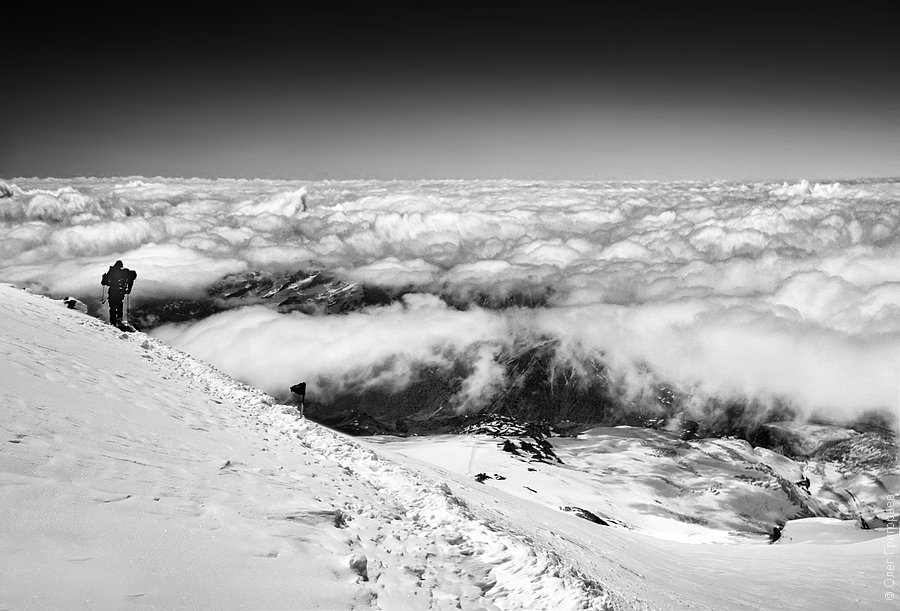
(119, 280)
(130, 275)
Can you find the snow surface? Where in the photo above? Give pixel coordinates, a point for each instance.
(134, 476)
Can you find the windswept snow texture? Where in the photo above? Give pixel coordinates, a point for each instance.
(133, 476)
(787, 291)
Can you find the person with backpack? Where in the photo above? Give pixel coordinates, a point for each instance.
(119, 279)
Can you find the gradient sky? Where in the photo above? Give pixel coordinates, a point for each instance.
(477, 93)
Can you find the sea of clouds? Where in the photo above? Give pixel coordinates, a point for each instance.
(762, 290)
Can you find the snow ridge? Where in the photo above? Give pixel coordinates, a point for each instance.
(422, 526)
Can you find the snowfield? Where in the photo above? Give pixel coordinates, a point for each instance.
(134, 476)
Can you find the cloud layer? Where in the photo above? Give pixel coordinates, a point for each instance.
(788, 290)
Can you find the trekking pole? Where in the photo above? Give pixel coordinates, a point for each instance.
(127, 304)
(102, 295)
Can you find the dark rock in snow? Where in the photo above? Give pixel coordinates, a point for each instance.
(529, 438)
(359, 565)
(585, 514)
(74, 304)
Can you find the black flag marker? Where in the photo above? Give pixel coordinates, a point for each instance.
(300, 391)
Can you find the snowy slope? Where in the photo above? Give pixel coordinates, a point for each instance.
(133, 476)
(651, 481)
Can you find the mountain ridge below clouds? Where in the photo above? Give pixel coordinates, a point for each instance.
(536, 389)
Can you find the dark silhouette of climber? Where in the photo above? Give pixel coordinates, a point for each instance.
(119, 279)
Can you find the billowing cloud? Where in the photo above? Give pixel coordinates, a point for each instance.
(376, 347)
(394, 273)
(789, 290)
(735, 348)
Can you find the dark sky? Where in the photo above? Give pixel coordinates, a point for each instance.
(453, 92)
